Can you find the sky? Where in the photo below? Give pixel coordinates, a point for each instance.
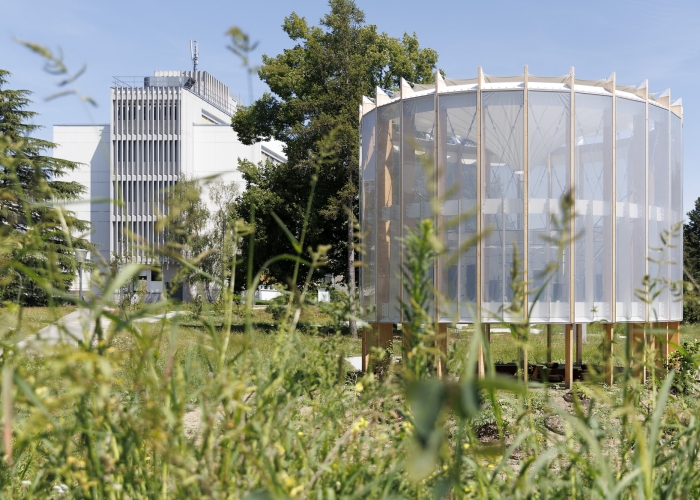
(640, 39)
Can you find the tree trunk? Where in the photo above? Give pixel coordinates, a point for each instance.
(351, 271)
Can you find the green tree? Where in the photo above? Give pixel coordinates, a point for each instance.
(38, 235)
(317, 87)
(691, 264)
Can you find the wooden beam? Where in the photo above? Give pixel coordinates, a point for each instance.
(608, 353)
(526, 195)
(572, 184)
(479, 198)
(645, 91)
(613, 203)
(568, 356)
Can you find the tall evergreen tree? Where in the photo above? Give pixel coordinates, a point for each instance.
(691, 243)
(36, 254)
(317, 87)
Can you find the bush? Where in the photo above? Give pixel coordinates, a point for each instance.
(685, 362)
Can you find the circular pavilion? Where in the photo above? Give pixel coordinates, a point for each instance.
(503, 152)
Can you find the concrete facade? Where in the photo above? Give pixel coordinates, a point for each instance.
(175, 124)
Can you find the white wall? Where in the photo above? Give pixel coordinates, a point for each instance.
(88, 145)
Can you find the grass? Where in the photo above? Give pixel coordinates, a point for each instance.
(36, 318)
(317, 329)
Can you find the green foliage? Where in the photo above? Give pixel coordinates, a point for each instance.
(40, 234)
(685, 362)
(316, 86)
(691, 265)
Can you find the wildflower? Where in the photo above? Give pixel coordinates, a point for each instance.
(359, 425)
(337, 485)
(300, 434)
(491, 466)
(279, 448)
(296, 490)
(445, 467)
(26, 483)
(289, 481)
(359, 387)
(466, 446)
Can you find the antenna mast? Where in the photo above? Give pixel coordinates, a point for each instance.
(194, 54)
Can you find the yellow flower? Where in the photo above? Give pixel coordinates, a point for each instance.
(359, 425)
(289, 481)
(359, 387)
(466, 446)
(295, 491)
(300, 434)
(491, 466)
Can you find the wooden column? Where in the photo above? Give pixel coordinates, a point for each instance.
(480, 361)
(376, 335)
(568, 356)
(674, 336)
(663, 338)
(579, 344)
(638, 336)
(442, 347)
(369, 335)
(608, 354)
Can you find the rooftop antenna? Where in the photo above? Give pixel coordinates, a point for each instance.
(194, 54)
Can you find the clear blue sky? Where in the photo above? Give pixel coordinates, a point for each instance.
(639, 39)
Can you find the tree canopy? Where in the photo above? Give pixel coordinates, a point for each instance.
(316, 87)
(38, 236)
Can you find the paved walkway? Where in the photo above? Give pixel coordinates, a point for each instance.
(67, 330)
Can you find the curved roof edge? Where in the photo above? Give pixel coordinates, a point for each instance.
(607, 86)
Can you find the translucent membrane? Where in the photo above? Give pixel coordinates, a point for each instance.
(549, 179)
(676, 273)
(457, 189)
(593, 193)
(388, 212)
(418, 172)
(659, 211)
(630, 160)
(368, 215)
(402, 175)
(502, 207)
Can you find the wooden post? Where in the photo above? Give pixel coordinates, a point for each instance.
(638, 350)
(663, 338)
(549, 343)
(369, 339)
(674, 336)
(480, 361)
(579, 344)
(568, 356)
(609, 366)
(442, 346)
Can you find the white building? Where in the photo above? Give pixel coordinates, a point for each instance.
(164, 127)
